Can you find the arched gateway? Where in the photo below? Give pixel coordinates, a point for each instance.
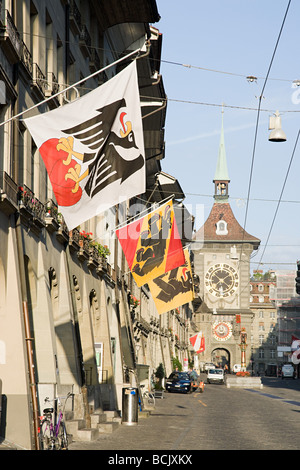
(221, 357)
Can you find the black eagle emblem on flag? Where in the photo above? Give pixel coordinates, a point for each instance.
(93, 148)
(110, 139)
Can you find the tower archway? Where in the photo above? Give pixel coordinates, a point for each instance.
(221, 357)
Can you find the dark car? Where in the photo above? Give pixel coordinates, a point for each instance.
(178, 382)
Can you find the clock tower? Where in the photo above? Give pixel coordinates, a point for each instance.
(222, 261)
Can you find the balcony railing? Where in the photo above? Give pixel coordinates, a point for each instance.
(26, 59)
(31, 207)
(75, 17)
(12, 44)
(39, 79)
(62, 233)
(52, 85)
(85, 41)
(52, 219)
(8, 194)
(74, 237)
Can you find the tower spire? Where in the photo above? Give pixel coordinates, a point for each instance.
(221, 178)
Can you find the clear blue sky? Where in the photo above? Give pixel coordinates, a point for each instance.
(235, 39)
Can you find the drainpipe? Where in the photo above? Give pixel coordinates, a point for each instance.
(28, 339)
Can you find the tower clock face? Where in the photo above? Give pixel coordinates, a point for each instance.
(222, 331)
(221, 280)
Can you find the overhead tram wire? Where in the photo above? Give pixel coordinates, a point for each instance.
(189, 66)
(257, 118)
(170, 62)
(279, 201)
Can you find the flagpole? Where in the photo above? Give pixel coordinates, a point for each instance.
(134, 218)
(69, 87)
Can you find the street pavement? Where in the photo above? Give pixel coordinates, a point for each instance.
(218, 419)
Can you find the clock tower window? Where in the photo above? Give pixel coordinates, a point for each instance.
(221, 228)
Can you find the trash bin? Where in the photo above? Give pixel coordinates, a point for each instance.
(130, 401)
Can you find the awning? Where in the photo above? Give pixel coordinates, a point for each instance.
(165, 186)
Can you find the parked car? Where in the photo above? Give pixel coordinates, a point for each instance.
(215, 376)
(208, 365)
(287, 371)
(178, 382)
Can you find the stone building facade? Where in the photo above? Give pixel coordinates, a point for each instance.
(67, 321)
(264, 334)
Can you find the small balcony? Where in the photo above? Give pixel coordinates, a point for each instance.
(52, 87)
(74, 237)
(10, 40)
(85, 41)
(93, 261)
(31, 209)
(84, 249)
(52, 217)
(26, 59)
(8, 194)
(74, 17)
(39, 82)
(62, 233)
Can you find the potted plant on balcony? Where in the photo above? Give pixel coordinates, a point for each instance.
(85, 236)
(134, 302)
(103, 250)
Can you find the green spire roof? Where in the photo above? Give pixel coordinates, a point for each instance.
(221, 170)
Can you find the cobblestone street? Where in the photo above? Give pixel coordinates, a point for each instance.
(218, 419)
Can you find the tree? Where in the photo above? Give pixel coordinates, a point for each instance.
(160, 372)
(160, 375)
(176, 363)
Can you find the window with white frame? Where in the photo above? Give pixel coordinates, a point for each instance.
(272, 339)
(272, 353)
(261, 339)
(261, 353)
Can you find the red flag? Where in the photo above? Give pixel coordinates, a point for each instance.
(198, 342)
(152, 245)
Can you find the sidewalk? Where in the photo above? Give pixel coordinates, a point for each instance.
(140, 436)
(123, 438)
(6, 445)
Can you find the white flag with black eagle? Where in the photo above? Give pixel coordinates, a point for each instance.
(93, 148)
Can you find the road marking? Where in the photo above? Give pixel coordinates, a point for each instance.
(202, 403)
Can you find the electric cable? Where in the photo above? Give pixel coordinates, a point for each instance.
(257, 120)
(159, 60)
(279, 201)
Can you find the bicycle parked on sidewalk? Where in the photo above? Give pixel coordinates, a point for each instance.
(52, 432)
